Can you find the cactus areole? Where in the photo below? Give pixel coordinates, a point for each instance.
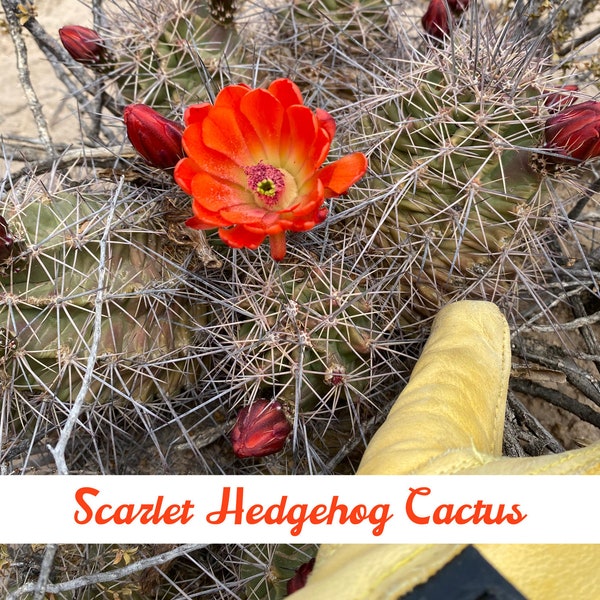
(254, 165)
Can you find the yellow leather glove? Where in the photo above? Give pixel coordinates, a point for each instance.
(449, 419)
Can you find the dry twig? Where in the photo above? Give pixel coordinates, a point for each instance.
(557, 398)
(14, 28)
(96, 578)
(58, 452)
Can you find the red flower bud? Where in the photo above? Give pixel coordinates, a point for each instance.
(6, 240)
(82, 43)
(575, 132)
(260, 429)
(298, 581)
(155, 137)
(436, 20)
(560, 99)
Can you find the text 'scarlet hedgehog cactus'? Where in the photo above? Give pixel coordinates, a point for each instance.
(72, 247)
(463, 201)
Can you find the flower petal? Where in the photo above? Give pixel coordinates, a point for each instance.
(208, 160)
(287, 92)
(208, 217)
(228, 132)
(240, 237)
(185, 170)
(326, 121)
(277, 242)
(243, 213)
(338, 176)
(231, 95)
(265, 114)
(196, 223)
(196, 113)
(311, 201)
(212, 220)
(298, 136)
(270, 223)
(214, 195)
(320, 149)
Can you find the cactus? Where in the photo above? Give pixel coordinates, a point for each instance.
(177, 57)
(267, 569)
(306, 322)
(307, 333)
(462, 202)
(49, 285)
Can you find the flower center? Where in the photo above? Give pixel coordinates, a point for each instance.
(267, 187)
(267, 182)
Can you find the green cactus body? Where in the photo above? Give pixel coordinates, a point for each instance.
(48, 291)
(361, 22)
(458, 201)
(268, 569)
(190, 47)
(304, 334)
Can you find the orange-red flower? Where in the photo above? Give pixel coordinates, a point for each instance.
(254, 165)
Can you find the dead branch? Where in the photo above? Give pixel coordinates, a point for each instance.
(14, 28)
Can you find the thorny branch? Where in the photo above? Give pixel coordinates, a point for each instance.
(97, 578)
(101, 156)
(582, 321)
(587, 332)
(24, 75)
(367, 432)
(580, 41)
(555, 357)
(557, 398)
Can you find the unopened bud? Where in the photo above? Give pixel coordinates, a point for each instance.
(458, 6)
(574, 133)
(7, 241)
(82, 43)
(298, 580)
(562, 98)
(436, 20)
(260, 429)
(155, 137)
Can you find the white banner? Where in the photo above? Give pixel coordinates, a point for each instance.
(299, 509)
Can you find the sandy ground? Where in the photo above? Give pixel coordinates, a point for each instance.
(15, 115)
